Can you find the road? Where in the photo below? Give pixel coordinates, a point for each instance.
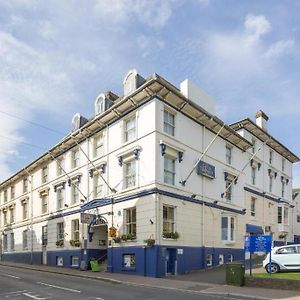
(26, 284)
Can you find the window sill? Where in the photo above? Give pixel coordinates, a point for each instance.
(228, 242)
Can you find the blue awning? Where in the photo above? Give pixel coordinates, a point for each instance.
(254, 229)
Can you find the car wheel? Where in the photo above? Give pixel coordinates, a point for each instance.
(274, 268)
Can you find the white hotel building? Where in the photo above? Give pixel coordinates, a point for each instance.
(113, 188)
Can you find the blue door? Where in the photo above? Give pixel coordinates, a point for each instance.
(171, 261)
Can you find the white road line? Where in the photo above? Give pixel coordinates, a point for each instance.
(11, 276)
(11, 293)
(33, 297)
(59, 287)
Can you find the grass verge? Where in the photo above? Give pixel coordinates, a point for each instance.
(293, 275)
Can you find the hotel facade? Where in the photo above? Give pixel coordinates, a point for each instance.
(153, 184)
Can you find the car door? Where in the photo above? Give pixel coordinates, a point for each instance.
(288, 257)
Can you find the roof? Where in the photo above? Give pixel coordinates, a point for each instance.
(155, 86)
(266, 138)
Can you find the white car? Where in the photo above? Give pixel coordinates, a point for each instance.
(283, 258)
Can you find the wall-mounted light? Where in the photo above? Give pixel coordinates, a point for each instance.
(244, 210)
(193, 196)
(151, 221)
(82, 200)
(216, 202)
(66, 205)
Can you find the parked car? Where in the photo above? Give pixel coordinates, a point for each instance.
(283, 258)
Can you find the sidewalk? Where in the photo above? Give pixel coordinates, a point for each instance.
(175, 283)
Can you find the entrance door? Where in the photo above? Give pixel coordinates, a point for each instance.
(171, 261)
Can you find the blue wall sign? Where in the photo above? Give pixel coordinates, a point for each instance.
(258, 243)
(206, 169)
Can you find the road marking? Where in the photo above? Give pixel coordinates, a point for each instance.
(59, 287)
(11, 276)
(12, 293)
(33, 297)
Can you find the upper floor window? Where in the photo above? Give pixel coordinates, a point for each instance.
(4, 217)
(228, 229)
(168, 219)
(130, 129)
(100, 104)
(12, 214)
(25, 185)
(282, 164)
(130, 221)
(228, 154)
(270, 183)
(279, 215)
(75, 192)
(25, 210)
(130, 174)
(254, 145)
(271, 154)
(60, 198)
(75, 158)
(282, 189)
(44, 204)
(169, 123)
(45, 174)
(98, 186)
(98, 145)
(253, 206)
(75, 229)
(60, 231)
(12, 192)
(229, 187)
(5, 196)
(60, 165)
(286, 216)
(169, 170)
(253, 175)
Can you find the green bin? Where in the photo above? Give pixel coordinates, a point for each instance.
(235, 274)
(95, 265)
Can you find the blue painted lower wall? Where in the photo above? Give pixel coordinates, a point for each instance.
(34, 258)
(66, 256)
(153, 261)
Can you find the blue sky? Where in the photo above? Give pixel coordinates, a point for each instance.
(57, 56)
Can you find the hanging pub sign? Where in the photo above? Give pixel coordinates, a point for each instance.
(87, 218)
(206, 169)
(112, 231)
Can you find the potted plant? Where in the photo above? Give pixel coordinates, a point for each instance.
(150, 242)
(171, 235)
(75, 243)
(128, 236)
(60, 243)
(282, 235)
(117, 239)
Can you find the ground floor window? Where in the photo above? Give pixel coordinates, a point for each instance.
(221, 259)
(75, 261)
(12, 241)
(230, 258)
(209, 260)
(129, 260)
(130, 221)
(228, 229)
(5, 243)
(59, 261)
(168, 219)
(25, 240)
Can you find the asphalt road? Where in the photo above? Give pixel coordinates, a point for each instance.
(26, 284)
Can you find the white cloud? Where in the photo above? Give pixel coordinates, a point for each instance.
(280, 48)
(155, 13)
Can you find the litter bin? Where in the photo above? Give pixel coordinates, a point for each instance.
(235, 274)
(95, 265)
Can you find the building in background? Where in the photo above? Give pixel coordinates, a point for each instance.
(127, 185)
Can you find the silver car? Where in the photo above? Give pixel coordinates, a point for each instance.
(284, 258)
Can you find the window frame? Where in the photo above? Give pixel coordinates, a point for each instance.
(168, 223)
(60, 231)
(169, 127)
(97, 185)
(130, 224)
(171, 171)
(127, 132)
(75, 230)
(12, 241)
(98, 145)
(127, 176)
(230, 231)
(25, 239)
(60, 191)
(60, 165)
(75, 158)
(253, 206)
(228, 154)
(45, 174)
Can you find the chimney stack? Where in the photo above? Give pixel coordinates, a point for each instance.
(261, 120)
